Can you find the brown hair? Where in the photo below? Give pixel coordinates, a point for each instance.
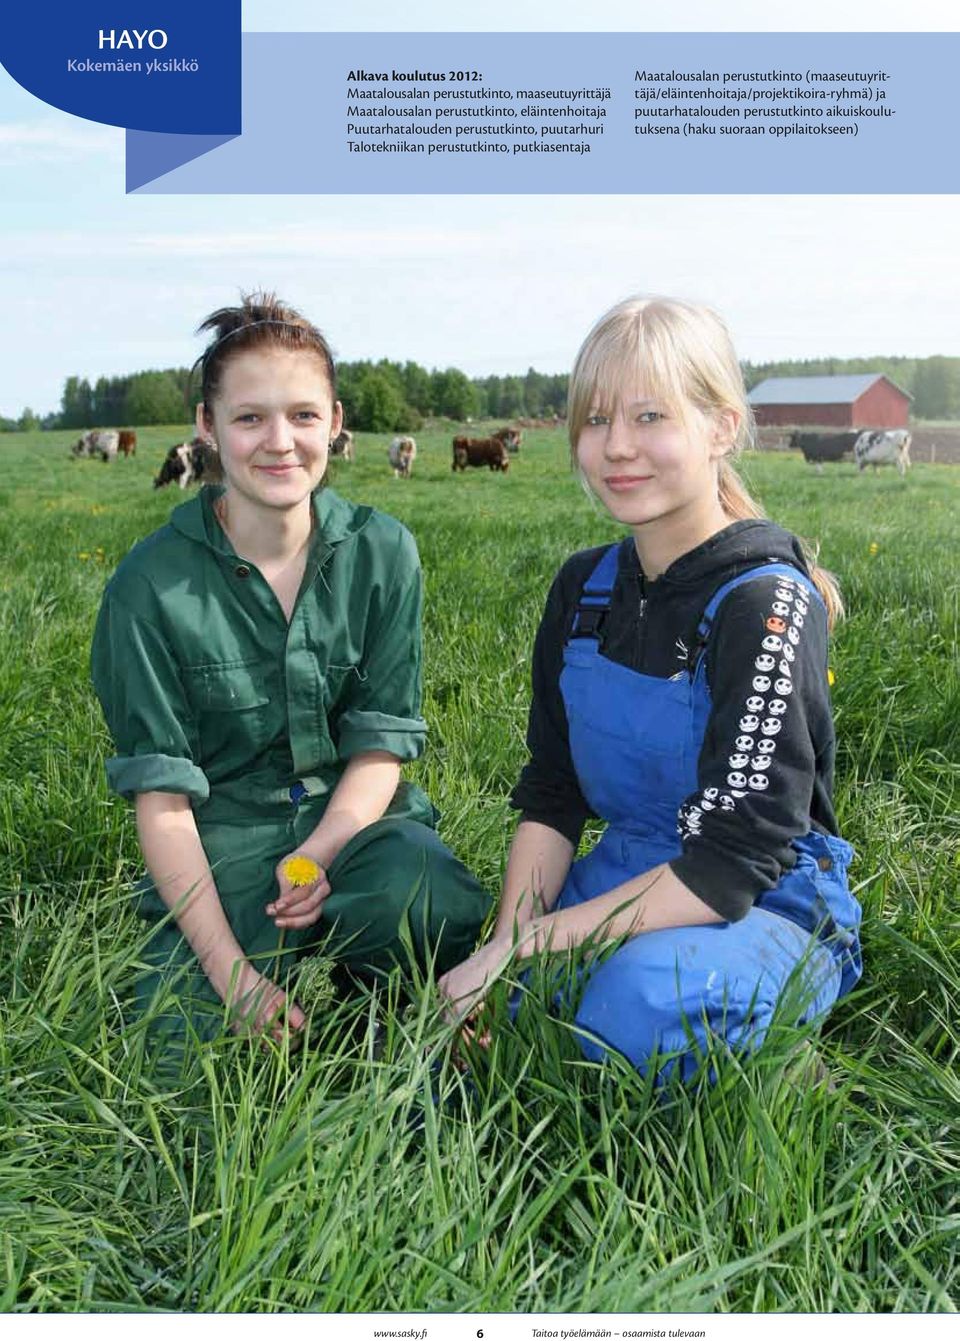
(261, 321)
(682, 354)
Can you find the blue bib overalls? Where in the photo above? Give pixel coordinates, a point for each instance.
(635, 740)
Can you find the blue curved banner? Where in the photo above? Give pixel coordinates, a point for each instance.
(167, 71)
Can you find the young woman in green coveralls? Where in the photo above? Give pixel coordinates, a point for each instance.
(258, 664)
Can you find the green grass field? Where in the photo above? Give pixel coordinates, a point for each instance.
(328, 1179)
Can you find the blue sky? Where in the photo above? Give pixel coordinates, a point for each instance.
(98, 283)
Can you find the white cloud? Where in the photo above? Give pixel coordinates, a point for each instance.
(314, 243)
(322, 245)
(27, 143)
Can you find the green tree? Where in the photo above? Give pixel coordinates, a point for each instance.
(152, 398)
(76, 404)
(534, 392)
(556, 396)
(379, 405)
(107, 402)
(511, 401)
(454, 395)
(417, 389)
(937, 388)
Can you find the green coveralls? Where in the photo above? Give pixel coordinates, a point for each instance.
(209, 692)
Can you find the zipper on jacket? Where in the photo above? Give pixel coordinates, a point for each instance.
(641, 617)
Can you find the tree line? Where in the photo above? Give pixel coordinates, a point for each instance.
(387, 396)
(377, 397)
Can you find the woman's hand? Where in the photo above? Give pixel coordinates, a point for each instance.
(465, 986)
(299, 902)
(259, 1006)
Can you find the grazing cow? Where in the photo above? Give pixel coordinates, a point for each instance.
(342, 445)
(402, 453)
(883, 447)
(102, 442)
(510, 437)
(185, 463)
(127, 445)
(820, 447)
(490, 452)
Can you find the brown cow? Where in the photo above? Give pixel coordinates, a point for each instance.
(490, 452)
(127, 445)
(510, 437)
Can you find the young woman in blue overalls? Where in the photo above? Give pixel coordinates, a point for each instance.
(681, 695)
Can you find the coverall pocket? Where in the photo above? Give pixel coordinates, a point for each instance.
(231, 701)
(815, 895)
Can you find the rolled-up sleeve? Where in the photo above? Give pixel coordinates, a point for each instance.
(383, 708)
(138, 683)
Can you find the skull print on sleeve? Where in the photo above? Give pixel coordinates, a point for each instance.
(759, 763)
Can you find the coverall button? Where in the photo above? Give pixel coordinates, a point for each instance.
(242, 570)
(825, 863)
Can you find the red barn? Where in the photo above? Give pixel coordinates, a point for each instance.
(850, 400)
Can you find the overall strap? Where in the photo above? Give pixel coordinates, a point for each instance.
(772, 569)
(594, 599)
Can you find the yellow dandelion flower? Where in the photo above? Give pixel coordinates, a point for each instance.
(874, 547)
(301, 870)
(83, 554)
(831, 678)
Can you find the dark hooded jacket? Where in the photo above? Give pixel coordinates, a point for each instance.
(728, 857)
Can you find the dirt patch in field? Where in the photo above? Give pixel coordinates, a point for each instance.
(931, 443)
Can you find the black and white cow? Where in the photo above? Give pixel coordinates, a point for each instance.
(102, 442)
(185, 463)
(883, 447)
(342, 445)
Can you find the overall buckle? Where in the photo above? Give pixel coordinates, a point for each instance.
(589, 621)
